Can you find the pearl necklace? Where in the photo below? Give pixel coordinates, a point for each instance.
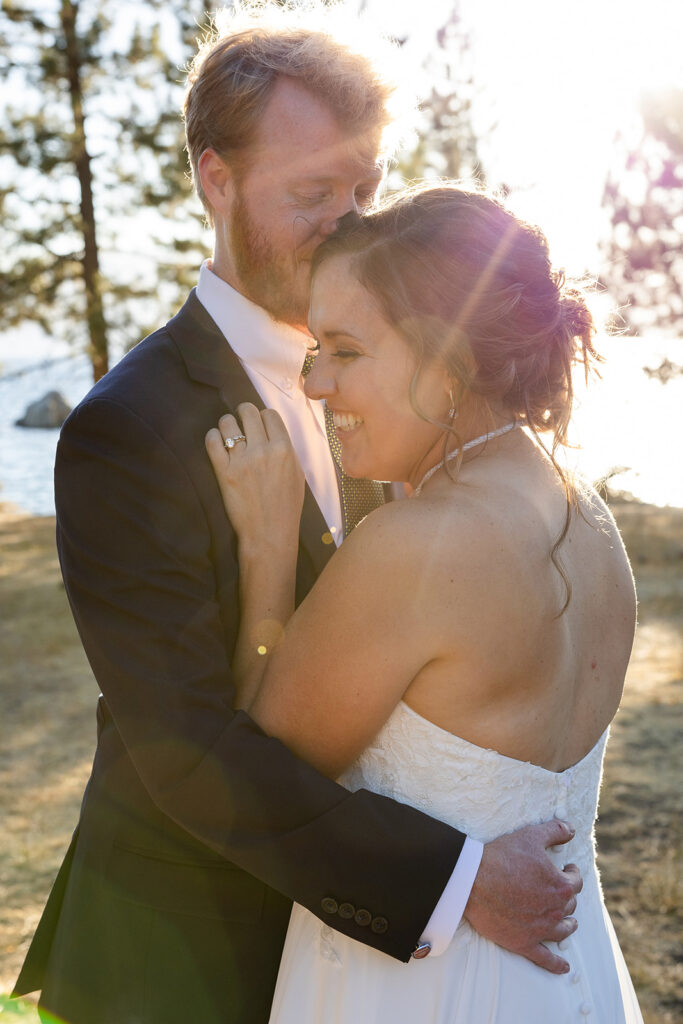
(453, 455)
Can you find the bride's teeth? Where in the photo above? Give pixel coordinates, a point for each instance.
(346, 421)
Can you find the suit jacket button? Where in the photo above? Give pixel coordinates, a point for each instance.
(363, 918)
(329, 905)
(379, 925)
(346, 910)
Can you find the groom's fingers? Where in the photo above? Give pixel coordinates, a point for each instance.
(522, 898)
(571, 907)
(543, 957)
(556, 832)
(573, 876)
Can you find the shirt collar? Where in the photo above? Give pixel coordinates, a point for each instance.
(269, 347)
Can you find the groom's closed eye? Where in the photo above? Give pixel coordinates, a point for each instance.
(312, 198)
(365, 198)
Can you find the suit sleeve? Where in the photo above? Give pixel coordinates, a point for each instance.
(137, 559)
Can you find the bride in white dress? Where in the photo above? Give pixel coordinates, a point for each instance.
(465, 650)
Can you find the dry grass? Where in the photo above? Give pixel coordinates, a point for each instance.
(640, 831)
(48, 732)
(47, 717)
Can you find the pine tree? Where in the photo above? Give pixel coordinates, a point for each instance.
(643, 198)
(93, 183)
(447, 144)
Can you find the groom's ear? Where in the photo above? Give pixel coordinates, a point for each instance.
(217, 182)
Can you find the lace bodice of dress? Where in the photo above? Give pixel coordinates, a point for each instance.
(481, 792)
(328, 976)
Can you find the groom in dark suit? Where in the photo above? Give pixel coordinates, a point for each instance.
(196, 829)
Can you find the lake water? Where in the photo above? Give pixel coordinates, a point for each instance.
(27, 456)
(626, 420)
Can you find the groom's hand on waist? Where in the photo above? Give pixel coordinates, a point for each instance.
(520, 899)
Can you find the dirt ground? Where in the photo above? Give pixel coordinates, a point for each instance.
(47, 729)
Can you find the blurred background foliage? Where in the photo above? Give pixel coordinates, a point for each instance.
(95, 232)
(100, 237)
(643, 198)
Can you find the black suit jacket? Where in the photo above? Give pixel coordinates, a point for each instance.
(196, 829)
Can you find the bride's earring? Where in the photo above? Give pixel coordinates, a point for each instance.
(452, 412)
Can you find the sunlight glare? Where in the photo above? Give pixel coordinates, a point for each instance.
(559, 82)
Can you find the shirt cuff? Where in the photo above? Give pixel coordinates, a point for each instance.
(448, 912)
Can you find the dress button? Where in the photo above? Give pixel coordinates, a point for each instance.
(585, 1009)
(288, 383)
(346, 910)
(363, 918)
(379, 925)
(562, 944)
(576, 978)
(329, 905)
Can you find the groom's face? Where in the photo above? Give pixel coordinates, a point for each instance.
(301, 174)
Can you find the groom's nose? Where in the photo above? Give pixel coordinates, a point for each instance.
(329, 226)
(344, 205)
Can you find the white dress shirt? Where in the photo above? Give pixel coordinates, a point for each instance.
(272, 354)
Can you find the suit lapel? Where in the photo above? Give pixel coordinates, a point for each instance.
(210, 360)
(207, 357)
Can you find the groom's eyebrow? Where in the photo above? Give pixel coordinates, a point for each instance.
(373, 172)
(373, 177)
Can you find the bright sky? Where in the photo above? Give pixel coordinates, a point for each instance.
(559, 80)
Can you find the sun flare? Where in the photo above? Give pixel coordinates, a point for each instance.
(557, 82)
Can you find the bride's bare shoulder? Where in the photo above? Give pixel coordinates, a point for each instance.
(415, 530)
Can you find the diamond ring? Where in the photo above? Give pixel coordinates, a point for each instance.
(230, 442)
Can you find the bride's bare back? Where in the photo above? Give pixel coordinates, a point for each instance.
(508, 671)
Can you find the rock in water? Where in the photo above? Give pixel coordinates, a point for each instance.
(49, 411)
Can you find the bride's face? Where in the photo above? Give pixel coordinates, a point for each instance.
(363, 371)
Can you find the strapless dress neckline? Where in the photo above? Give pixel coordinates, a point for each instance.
(597, 747)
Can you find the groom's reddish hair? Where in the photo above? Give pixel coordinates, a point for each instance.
(250, 46)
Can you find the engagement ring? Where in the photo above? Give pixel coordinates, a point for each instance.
(230, 442)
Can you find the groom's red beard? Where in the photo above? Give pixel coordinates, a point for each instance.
(279, 282)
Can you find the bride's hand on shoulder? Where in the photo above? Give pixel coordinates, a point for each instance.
(260, 478)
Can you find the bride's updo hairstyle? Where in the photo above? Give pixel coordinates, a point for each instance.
(459, 277)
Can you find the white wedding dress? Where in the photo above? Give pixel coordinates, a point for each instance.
(327, 978)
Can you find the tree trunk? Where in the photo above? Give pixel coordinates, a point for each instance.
(97, 327)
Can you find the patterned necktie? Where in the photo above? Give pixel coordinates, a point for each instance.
(358, 497)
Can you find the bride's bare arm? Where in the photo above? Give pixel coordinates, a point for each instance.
(351, 650)
(262, 491)
(323, 680)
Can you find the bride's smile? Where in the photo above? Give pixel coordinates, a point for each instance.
(365, 371)
(345, 422)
